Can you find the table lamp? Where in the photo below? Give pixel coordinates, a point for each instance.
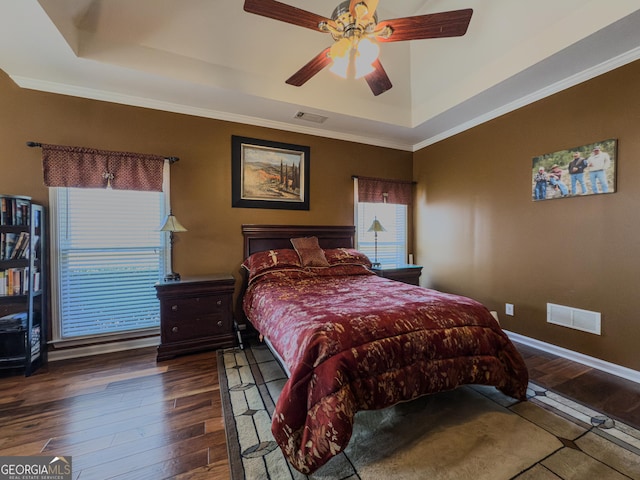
(376, 227)
(171, 225)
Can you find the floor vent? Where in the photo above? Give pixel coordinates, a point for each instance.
(576, 318)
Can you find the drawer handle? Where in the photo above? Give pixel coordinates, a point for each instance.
(174, 329)
(174, 307)
(219, 302)
(220, 323)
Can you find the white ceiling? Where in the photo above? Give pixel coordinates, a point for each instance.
(210, 58)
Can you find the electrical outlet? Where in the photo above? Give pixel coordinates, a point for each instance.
(508, 309)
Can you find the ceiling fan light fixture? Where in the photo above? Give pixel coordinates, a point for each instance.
(368, 51)
(340, 66)
(340, 55)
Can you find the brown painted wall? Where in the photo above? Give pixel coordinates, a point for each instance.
(200, 181)
(479, 233)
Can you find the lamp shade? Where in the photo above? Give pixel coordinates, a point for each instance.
(171, 224)
(376, 226)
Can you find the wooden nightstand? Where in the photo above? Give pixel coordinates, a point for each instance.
(402, 273)
(196, 313)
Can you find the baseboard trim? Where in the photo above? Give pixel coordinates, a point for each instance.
(612, 368)
(85, 351)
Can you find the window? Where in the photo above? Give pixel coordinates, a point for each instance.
(392, 243)
(107, 254)
(388, 202)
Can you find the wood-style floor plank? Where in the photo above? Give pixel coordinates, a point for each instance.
(123, 416)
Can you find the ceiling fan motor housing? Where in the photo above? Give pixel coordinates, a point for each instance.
(347, 25)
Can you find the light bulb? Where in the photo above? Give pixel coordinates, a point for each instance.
(368, 51)
(340, 66)
(340, 54)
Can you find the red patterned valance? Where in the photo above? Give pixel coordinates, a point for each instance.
(379, 190)
(89, 168)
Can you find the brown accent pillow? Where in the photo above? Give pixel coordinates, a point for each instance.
(311, 255)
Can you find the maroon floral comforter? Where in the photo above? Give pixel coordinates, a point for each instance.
(360, 342)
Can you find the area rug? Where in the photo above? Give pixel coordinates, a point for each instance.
(471, 433)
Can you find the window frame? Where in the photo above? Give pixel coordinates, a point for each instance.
(357, 222)
(55, 288)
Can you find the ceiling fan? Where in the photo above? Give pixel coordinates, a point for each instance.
(356, 33)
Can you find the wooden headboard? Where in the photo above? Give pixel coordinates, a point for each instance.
(258, 238)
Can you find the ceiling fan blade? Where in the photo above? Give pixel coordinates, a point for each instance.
(285, 13)
(432, 25)
(378, 80)
(316, 64)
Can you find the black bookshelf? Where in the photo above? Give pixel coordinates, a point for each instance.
(23, 319)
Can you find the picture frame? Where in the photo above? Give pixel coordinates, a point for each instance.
(575, 172)
(267, 174)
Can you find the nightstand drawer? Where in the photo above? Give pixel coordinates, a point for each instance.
(201, 324)
(182, 308)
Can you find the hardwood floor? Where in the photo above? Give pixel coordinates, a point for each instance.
(122, 416)
(607, 393)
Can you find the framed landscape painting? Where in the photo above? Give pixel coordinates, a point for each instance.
(269, 174)
(585, 170)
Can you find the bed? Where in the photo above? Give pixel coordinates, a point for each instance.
(351, 340)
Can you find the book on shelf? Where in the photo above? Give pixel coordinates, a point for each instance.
(35, 248)
(4, 211)
(21, 246)
(36, 281)
(14, 211)
(36, 220)
(14, 245)
(14, 281)
(10, 240)
(35, 342)
(14, 322)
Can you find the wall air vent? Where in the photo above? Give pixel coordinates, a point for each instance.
(574, 318)
(310, 117)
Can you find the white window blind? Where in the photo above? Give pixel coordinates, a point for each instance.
(109, 254)
(392, 244)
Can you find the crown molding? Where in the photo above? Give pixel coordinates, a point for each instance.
(602, 68)
(136, 101)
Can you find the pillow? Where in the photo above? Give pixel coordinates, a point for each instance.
(311, 255)
(260, 262)
(346, 256)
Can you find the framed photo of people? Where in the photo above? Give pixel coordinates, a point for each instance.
(585, 170)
